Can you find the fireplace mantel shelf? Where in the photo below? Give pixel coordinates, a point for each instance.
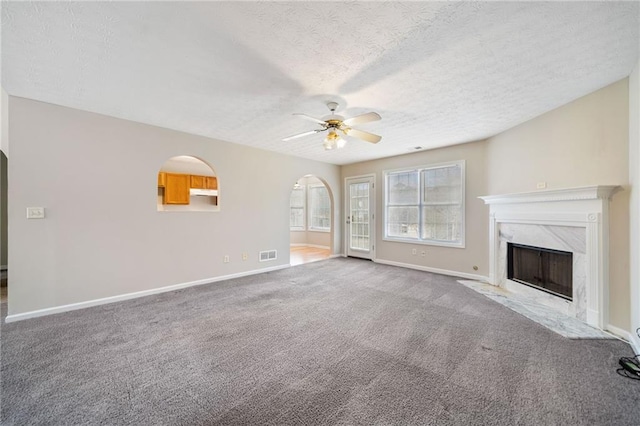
(566, 194)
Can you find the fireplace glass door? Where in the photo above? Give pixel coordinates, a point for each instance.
(545, 269)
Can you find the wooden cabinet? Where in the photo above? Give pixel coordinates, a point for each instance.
(176, 188)
(211, 182)
(204, 182)
(198, 182)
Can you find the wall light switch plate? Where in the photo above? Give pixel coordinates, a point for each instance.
(35, 212)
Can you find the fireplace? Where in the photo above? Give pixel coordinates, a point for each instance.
(571, 220)
(542, 268)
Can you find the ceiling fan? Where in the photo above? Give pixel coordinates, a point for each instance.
(334, 123)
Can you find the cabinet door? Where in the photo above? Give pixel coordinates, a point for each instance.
(212, 182)
(162, 178)
(198, 182)
(176, 190)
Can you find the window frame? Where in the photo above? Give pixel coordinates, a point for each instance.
(309, 224)
(422, 204)
(302, 188)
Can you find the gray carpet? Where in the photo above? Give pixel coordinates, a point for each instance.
(341, 341)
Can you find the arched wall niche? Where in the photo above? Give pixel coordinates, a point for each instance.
(187, 183)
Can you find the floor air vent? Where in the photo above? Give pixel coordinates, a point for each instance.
(268, 255)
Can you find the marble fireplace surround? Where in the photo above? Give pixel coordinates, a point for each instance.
(572, 219)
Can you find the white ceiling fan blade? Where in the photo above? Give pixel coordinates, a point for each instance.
(299, 135)
(363, 118)
(365, 136)
(308, 117)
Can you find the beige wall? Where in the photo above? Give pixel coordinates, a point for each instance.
(634, 180)
(96, 176)
(582, 143)
(458, 260)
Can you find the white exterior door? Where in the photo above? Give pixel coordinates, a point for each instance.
(360, 216)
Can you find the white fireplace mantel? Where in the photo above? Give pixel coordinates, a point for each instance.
(583, 207)
(547, 195)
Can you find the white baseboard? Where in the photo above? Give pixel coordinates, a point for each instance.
(475, 277)
(635, 342)
(127, 296)
(310, 245)
(618, 332)
(631, 338)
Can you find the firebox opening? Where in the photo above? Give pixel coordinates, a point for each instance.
(545, 269)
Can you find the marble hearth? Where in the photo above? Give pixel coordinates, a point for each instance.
(574, 220)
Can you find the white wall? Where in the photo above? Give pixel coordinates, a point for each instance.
(634, 201)
(96, 176)
(459, 260)
(187, 165)
(582, 143)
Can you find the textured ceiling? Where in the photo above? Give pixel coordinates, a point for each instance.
(438, 73)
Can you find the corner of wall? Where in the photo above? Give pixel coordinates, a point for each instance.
(634, 204)
(4, 121)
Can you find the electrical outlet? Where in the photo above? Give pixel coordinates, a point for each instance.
(414, 252)
(35, 212)
(226, 258)
(245, 256)
(541, 185)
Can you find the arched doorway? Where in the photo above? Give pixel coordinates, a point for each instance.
(310, 220)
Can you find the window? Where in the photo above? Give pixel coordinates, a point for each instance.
(319, 208)
(426, 205)
(310, 208)
(297, 203)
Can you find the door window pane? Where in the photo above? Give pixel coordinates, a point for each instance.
(359, 213)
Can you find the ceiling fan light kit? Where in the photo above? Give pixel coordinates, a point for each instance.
(333, 141)
(334, 123)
